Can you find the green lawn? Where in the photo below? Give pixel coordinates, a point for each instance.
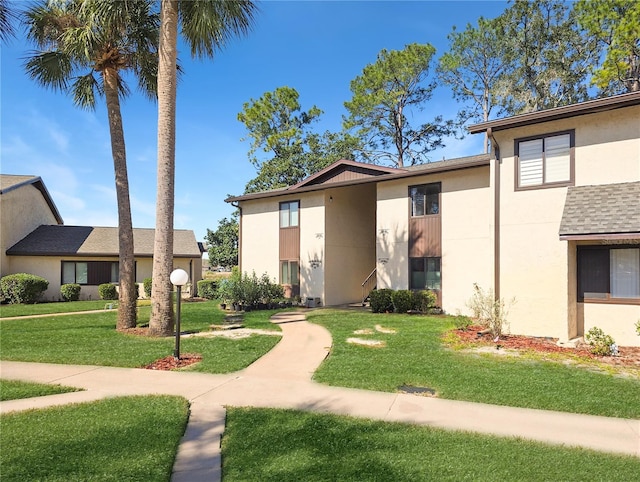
(283, 445)
(415, 356)
(93, 340)
(128, 438)
(14, 390)
(8, 311)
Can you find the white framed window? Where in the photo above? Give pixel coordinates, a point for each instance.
(289, 214)
(544, 161)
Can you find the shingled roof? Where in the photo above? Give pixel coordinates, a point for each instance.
(63, 240)
(608, 209)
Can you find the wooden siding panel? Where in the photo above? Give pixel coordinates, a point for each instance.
(348, 173)
(425, 234)
(290, 243)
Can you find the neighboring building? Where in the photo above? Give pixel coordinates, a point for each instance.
(86, 255)
(550, 219)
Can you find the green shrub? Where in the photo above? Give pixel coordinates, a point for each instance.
(638, 327)
(490, 312)
(146, 283)
(601, 343)
(269, 290)
(207, 288)
(424, 300)
(107, 291)
(70, 292)
(23, 287)
(380, 301)
(402, 301)
(462, 322)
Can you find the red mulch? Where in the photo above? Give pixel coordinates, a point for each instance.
(170, 363)
(627, 357)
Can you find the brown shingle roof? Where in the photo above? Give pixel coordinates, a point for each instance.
(97, 241)
(604, 209)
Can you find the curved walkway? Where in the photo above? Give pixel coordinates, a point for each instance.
(282, 379)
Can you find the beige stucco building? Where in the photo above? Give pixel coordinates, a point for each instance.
(35, 241)
(549, 221)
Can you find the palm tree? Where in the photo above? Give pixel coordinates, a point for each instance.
(85, 46)
(7, 16)
(207, 25)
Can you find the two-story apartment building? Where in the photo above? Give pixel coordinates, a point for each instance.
(550, 219)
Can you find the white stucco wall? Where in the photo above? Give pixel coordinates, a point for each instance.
(467, 250)
(350, 241)
(618, 321)
(312, 241)
(259, 249)
(534, 262)
(21, 211)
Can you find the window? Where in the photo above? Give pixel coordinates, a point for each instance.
(425, 274)
(425, 199)
(544, 160)
(608, 273)
(90, 272)
(289, 214)
(289, 273)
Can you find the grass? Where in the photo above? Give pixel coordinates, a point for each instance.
(8, 311)
(128, 438)
(93, 340)
(415, 356)
(14, 390)
(286, 445)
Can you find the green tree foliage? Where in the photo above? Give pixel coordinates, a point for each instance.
(85, 46)
(282, 133)
(473, 67)
(388, 93)
(549, 59)
(615, 24)
(223, 243)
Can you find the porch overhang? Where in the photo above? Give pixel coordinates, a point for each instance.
(607, 212)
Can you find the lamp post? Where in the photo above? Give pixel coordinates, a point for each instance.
(179, 278)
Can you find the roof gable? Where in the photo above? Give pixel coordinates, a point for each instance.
(11, 182)
(343, 170)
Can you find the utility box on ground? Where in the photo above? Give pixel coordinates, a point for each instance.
(313, 302)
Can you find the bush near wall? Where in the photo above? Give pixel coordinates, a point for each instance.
(108, 291)
(147, 287)
(207, 288)
(70, 292)
(22, 288)
(401, 301)
(380, 301)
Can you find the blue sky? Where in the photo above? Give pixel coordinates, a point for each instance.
(315, 47)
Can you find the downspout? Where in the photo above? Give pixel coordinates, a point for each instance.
(496, 216)
(236, 205)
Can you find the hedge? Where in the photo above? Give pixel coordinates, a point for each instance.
(22, 288)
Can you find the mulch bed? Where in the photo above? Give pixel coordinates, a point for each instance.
(170, 363)
(627, 357)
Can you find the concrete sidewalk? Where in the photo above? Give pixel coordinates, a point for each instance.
(282, 379)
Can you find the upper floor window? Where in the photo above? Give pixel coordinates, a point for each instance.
(289, 214)
(425, 199)
(544, 160)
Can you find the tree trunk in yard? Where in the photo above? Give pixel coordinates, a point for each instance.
(161, 323)
(128, 289)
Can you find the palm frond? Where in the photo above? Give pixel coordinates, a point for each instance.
(208, 25)
(50, 69)
(84, 91)
(7, 16)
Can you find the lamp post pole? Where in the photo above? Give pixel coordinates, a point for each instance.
(179, 278)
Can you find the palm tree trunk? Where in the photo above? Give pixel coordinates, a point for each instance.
(128, 289)
(161, 323)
